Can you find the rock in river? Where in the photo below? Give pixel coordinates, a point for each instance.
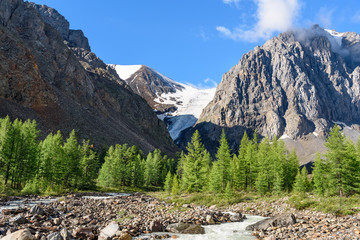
(185, 228)
(279, 221)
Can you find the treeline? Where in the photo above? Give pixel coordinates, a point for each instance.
(265, 167)
(56, 164)
(49, 165)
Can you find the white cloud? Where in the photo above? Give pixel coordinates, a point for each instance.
(324, 17)
(272, 16)
(209, 80)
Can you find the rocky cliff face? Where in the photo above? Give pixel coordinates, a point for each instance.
(48, 73)
(296, 86)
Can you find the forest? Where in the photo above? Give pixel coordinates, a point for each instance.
(55, 165)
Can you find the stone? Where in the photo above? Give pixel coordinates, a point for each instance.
(156, 226)
(236, 217)
(18, 220)
(56, 221)
(23, 234)
(125, 236)
(37, 210)
(279, 221)
(109, 231)
(209, 219)
(8, 211)
(54, 236)
(66, 235)
(83, 233)
(185, 228)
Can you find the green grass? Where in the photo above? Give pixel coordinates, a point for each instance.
(334, 204)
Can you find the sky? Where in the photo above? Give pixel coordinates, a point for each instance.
(195, 41)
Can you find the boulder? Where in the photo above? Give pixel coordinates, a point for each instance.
(209, 219)
(125, 236)
(18, 220)
(37, 210)
(23, 234)
(156, 226)
(66, 235)
(236, 217)
(54, 236)
(283, 220)
(8, 211)
(185, 228)
(83, 233)
(109, 231)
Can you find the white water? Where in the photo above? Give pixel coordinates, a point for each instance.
(225, 231)
(109, 195)
(24, 203)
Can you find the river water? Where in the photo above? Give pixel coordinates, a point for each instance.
(224, 231)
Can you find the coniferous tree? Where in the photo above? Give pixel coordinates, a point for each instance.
(290, 170)
(195, 165)
(168, 182)
(223, 158)
(215, 178)
(70, 163)
(319, 176)
(341, 163)
(175, 186)
(89, 166)
(301, 181)
(240, 166)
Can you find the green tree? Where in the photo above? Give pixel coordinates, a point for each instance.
(175, 186)
(319, 176)
(89, 167)
(223, 158)
(195, 165)
(70, 162)
(168, 182)
(301, 181)
(215, 178)
(342, 163)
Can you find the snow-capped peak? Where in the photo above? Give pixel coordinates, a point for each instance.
(125, 71)
(336, 36)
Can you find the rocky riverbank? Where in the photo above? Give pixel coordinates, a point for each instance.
(121, 217)
(308, 225)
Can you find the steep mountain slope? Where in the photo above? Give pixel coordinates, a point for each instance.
(48, 73)
(179, 105)
(295, 86)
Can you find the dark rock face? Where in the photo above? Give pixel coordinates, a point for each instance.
(75, 38)
(279, 221)
(64, 86)
(295, 84)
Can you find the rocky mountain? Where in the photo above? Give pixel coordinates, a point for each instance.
(295, 86)
(48, 73)
(178, 104)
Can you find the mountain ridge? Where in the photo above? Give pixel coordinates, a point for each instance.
(67, 86)
(296, 84)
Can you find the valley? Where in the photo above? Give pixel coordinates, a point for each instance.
(95, 149)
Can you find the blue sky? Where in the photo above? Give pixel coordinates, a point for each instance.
(195, 41)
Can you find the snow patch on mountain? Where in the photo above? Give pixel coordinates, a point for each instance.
(125, 71)
(189, 100)
(336, 36)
